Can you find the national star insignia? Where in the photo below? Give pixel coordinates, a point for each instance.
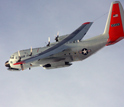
(84, 51)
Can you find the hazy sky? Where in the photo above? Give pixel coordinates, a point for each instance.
(95, 82)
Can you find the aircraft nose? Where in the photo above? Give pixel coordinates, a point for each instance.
(7, 64)
(10, 68)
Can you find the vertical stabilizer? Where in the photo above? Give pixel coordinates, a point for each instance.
(114, 28)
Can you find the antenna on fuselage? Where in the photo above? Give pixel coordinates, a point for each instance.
(100, 17)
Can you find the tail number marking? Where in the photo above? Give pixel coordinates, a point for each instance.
(116, 24)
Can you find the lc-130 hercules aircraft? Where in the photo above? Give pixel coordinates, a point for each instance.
(70, 48)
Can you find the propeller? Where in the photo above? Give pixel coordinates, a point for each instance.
(19, 56)
(57, 37)
(21, 65)
(30, 52)
(48, 41)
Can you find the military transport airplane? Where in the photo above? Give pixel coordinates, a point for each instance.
(70, 48)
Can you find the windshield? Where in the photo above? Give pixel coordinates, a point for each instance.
(12, 57)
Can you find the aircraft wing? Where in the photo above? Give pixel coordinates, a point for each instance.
(78, 34)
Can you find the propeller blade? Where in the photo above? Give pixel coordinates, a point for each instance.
(22, 67)
(48, 41)
(19, 56)
(19, 53)
(31, 49)
(30, 52)
(57, 37)
(58, 33)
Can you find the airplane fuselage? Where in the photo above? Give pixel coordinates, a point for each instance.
(77, 51)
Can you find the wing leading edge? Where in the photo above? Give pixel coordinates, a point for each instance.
(78, 34)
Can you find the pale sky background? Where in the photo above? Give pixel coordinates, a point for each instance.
(95, 82)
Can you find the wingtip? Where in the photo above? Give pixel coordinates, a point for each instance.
(87, 23)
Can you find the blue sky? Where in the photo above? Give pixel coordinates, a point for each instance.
(94, 82)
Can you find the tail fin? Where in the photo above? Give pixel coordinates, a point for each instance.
(115, 23)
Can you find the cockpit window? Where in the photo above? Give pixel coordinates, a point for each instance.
(12, 57)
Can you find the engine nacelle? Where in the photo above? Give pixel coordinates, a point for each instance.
(57, 65)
